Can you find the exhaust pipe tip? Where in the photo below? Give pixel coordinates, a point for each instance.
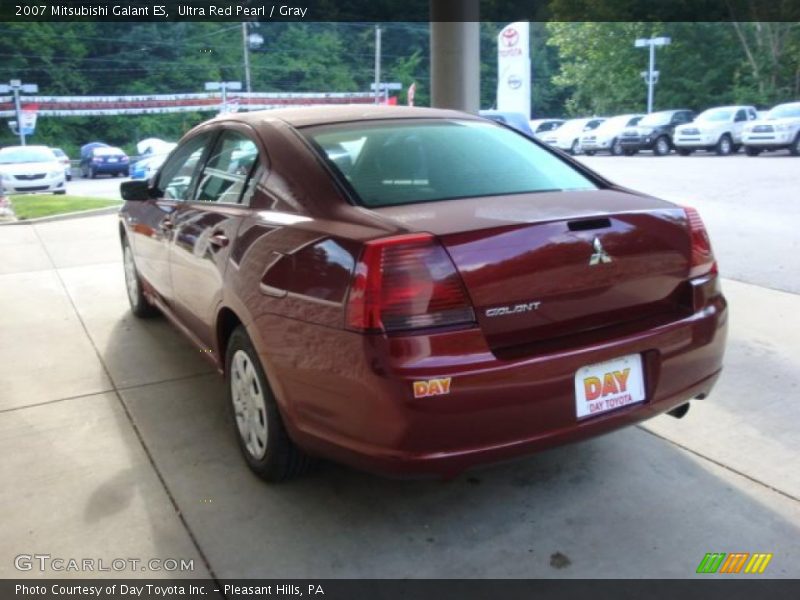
(679, 411)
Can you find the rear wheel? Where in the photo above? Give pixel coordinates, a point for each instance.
(262, 437)
(794, 149)
(724, 145)
(616, 148)
(661, 147)
(133, 283)
(750, 151)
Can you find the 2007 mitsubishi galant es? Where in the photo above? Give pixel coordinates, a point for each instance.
(415, 291)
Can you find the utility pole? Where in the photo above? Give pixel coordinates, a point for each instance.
(377, 64)
(16, 86)
(651, 75)
(246, 51)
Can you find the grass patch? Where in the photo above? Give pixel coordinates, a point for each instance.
(32, 206)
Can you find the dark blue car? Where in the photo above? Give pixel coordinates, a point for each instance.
(98, 158)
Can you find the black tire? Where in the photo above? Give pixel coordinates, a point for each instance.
(282, 459)
(575, 149)
(724, 146)
(684, 151)
(750, 151)
(60, 192)
(616, 148)
(662, 147)
(736, 148)
(140, 305)
(794, 149)
(631, 152)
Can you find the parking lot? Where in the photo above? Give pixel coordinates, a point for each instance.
(116, 443)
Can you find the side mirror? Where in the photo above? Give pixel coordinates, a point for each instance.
(136, 190)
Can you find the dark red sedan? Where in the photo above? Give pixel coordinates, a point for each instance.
(416, 291)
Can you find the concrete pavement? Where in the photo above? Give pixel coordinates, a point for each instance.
(116, 444)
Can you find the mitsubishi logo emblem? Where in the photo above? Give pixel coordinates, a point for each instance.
(599, 255)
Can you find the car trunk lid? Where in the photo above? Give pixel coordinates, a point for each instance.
(538, 267)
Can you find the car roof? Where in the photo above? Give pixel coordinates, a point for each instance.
(731, 107)
(324, 115)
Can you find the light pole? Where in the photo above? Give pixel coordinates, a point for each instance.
(652, 74)
(16, 86)
(224, 86)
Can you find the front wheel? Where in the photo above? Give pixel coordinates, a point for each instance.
(724, 146)
(262, 437)
(794, 149)
(616, 148)
(133, 283)
(750, 151)
(661, 147)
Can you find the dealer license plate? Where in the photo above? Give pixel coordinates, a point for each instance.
(609, 385)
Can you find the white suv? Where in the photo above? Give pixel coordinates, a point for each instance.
(778, 130)
(568, 136)
(717, 130)
(605, 137)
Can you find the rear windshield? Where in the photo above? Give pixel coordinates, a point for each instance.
(402, 162)
(107, 152)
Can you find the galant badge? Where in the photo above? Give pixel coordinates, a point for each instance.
(599, 255)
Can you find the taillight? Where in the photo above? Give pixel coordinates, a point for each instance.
(703, 261)
(406, 282)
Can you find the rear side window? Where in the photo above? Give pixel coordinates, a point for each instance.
(402, 162)
(175, 177)
(227, 169)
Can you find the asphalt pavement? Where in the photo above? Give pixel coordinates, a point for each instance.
(116, 443)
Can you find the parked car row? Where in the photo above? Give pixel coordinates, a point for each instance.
(722, 130)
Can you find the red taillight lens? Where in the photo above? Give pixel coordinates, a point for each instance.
(703, 261)
(406, 282)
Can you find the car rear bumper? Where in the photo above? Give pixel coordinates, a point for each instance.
(350, 397)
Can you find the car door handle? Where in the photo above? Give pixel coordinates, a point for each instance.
(220, 240)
